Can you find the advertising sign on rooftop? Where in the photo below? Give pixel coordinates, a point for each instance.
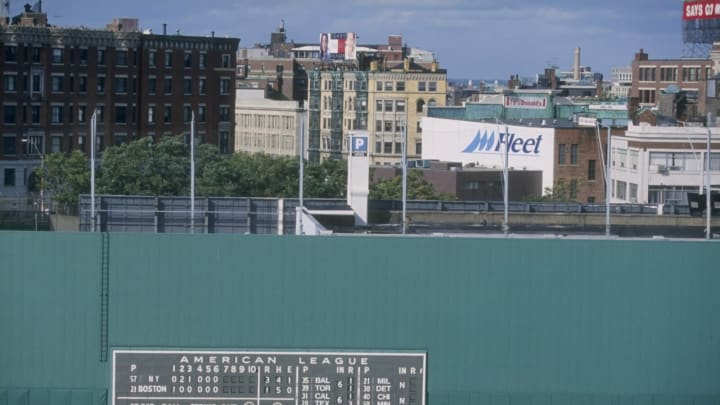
(338, 46)
(702, 9)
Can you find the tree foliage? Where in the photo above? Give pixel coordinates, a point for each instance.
(417, 189)
(149, 167)
(65, 177)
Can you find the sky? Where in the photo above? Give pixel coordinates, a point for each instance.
(472, 39)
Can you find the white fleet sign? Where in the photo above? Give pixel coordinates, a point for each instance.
(529, 148)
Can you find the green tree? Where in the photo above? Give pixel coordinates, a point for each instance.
(327, 179)
(149, 167)
(65, 177)
(417, 189)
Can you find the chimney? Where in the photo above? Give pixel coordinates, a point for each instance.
(164, 29)
(406, 65)
(374, 66)
(641, 55)
(576, 66)
(434, 67)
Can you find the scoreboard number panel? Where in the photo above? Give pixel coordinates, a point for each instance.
(162, 377)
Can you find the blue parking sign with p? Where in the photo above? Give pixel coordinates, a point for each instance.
(359, 145)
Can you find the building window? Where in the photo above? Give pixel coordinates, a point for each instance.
(120, 114)
(418, 148)
(224, 85)
(56, 84)
(83, 56)
(9, 147)
(400, 105)
(203, 60)
(400, 86)
(168, 59)
(633, 192)
(621, 190)
(224, 113)
(187, 113)
(9, 114)
(101, 56)
(378, 126)
(167, 85)
(152, 85)
(202, 86)
(35, 114)
(573, 154)
(10, 53)
(432, 86)
(420, 106)
(55, 144)
(388, 86)
(57, 114)
(10, 83)
(152, 59)
(121, 58)
(167, 114)
(9, 177)
(57, 55)
(121, 84)
(388, 127)
(82, 84)
(187, 87)
(82, 113)
(668, 74)
(226, 61)
(101, 84)
(187, 60)
(151, 114)
(561, 154)
(591, 170)
(422, 86)
(224, 142)
(201, 113)
(100, 111)
(647, 74)
(388, 105)
(379, 105)
(387, 147)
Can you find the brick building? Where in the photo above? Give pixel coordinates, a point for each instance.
(53, 78)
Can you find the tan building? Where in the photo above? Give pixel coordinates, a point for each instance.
(397, 100)
(266, 126)
(381, 102)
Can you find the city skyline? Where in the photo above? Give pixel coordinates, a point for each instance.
(471, 39)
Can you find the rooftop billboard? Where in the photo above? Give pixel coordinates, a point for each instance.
(338, 46)
(483, 144)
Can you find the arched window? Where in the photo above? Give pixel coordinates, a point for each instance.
(420, 105)
(432, 102)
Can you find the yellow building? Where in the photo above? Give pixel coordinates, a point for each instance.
(381, 102)
(397, 99)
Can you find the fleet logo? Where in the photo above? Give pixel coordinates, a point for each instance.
(485, 142)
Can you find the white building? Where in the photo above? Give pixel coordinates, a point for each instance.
(621, 82)
(266, 126)
(662, 164)
(482, 144)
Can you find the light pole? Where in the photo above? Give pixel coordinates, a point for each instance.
(26, 139)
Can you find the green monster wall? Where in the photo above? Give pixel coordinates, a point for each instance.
(503, 321)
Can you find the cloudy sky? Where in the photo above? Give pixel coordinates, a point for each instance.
(480, 39)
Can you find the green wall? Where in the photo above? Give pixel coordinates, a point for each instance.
(541, 321)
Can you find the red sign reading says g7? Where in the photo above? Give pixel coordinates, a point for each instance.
(701, 10)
